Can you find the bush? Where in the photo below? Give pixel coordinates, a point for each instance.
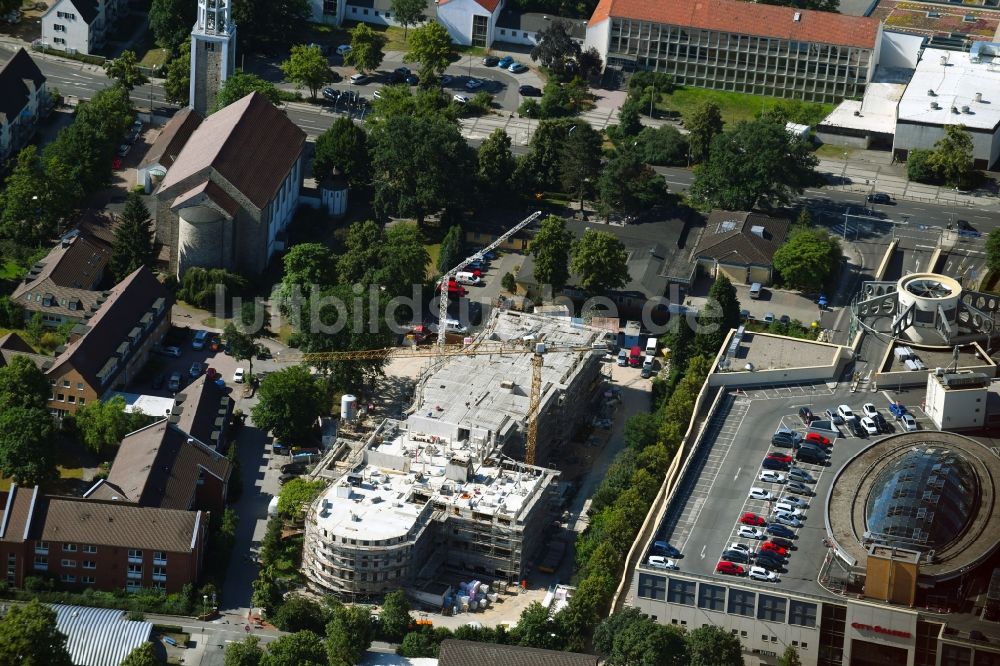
(920, 167)
(508, 282)
(663, 147)
(530, 108)
(81, 57)
(198, 287)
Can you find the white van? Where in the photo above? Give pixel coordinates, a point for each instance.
(464, 277)
(454, 326)
(755, 290)
(651, 346)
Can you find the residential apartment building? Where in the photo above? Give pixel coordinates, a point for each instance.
(23, 100)
(740, 46)
(108, 347)
(103, 545)
(81, 26)
(63, 286)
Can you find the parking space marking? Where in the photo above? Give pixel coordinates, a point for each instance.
(787, 390)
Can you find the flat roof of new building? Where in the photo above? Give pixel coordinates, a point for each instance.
(970, 357)
(150, 405)
(875, 113)
(951, 80)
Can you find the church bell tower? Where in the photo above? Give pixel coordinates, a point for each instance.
(213, 53)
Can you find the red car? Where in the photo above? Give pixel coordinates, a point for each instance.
(729, 568)
(774, 548)
(752, 519)
(818, 438)
(780, 457)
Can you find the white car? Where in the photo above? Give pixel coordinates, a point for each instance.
(784, 507)
(343, 49)
(909, 422)
(741, 547)
(797, 502)
(846, 413)
(460, 99)
(239, 375)
(747, 532)
(769, 476)
(760, 573)
(661, 562)
(869, 410)
(869, 426)
(760, 494)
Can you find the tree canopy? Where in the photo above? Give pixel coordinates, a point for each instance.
(349, 634)
(496, 165)
(551, 249)
(367, 46)
(807, 259)
(754, 162)
(133, 243)
(247, 652)
(124, 70)
(344, 146)
(993, 249)
(539, 170)
(952, 156)
(177, 85)
(141, 656)
(263, 22)
(104, 424)
(240, 84)
(628, 185)
(720, 314)
(556, 49)
(703, 125)
(431, 47)
(303, 648)
(28, 637)
(580, 162)
(408, 12)
(290, 401)
(451, 249)
(394, 619)
(711, 645)
(298, 613)
(307, 67)
(601, 261)
(170, 22)
(296, 494)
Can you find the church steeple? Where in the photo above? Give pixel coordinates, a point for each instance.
(213, 53)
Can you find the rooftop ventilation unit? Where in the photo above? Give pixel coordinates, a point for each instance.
(797, 17)
(935, 105)
(954, 109)
(979, 97)
(931, 93)
(965, 109)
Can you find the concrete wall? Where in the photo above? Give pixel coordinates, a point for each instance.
(843, 140)
(900, 50)
(76, 34)
(598, 36)
(512, 36)
(955, 409)
(910, 136)
(819, 373)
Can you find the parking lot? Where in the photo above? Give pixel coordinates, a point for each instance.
(705, 518)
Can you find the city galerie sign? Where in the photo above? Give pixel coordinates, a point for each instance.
(880, 630)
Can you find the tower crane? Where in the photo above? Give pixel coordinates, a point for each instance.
(481, 348)
(446, 278)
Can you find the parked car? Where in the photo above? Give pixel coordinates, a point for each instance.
(857, 429)
(798, 488)
(800, 475)
(447, 79)
(817, 438)
(460, 99)
(622, 358)
(783, 543)
(780, 457)
(785, 319)
(806, 415)
(285, 478)
(834, 417)
(770, 476)
(786, 438)
(239, 375)
(517, 68)
(279, 448)
(784, 507)
(729, 568)
(412, 80)
(331, 94)
(736, 556)
(196, 369)
(473, 84)
(174, 383)
(787, 519)
(760, 494)
(846, 413)
(752, 519)
(294, 468)
(343, 49)
(774, 548)
(664, 548)
(769, 561)
(174, 352)
(869, 410)
(529, 91)
(360, 79)
(769, 318)
(909, 423)
(810, 455)
(869, 426)
(796, 502)
(879, 198)
(780, 530)
(660, 562)
(882, 424)
(505, 62)
(490, 61)
(771, 463)
(747, 532)
(762, 574)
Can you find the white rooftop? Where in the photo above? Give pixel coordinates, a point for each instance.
(954, 80)
(876, 112)
(150, 405)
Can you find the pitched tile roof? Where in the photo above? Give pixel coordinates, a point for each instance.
(109, 326)
(463, 653)
(16, 504)
(12, 345)
(202, 410)
(172, 138)
(488, 5)
(250, 143)
(66, 276)
(160, 466)
(214, 193)
(729, 237)
(747, 18)
(19, 76)
(87, 9)
(76, 520)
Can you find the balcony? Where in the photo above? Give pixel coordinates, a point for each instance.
(158, 561)
(162, 578)
(134, 575)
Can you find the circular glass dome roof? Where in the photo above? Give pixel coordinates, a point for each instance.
(928, 288)
(923, 499)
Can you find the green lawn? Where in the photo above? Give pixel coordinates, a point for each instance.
(833, 152)
(734, 106)
(11, 270)
(154, 57)
(434, 250)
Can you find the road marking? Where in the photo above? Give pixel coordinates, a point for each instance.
(737, 475)
(703, 548)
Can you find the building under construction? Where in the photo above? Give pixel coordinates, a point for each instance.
(445, 487)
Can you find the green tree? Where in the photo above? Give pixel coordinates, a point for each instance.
(296, 494)
(601, 262)
(344, 146)
(133, 243)
(240, 84)
(103, 424)
(711, 645)
(431, 47)
(242, 339)
(629, 637)
(790, 657)
(177, 86)
(556, 49)
(952, 156)
(349, 635)
(32, 205)
(420, 165)
(265, 591)
(394, 619)
(451, 249)
(359, 261)
(22, 384)
(629, 185)
(640, 431)
(551, 250)
(993, 249)
(28, 637)
(539, 169)
(419, 643)
(663, 146)
(303, 648)
(298, 613)
(409, 12)
(508, 283)
(495, 165)
(244, 653)
(804, 220)
(403, 260)
(199, 287)
(290, 401)
(720, 314)
(367, 46)
(308, 264)
(628, 121)
(268, 22)
(581, 161)
(125, 71)
(141, 656)
(755, 162)
(535, 628)
(920, 166)
(307, 67)
(555, 100)
(807, 259)
(11, 313)
(703, 125)
(170, 22)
